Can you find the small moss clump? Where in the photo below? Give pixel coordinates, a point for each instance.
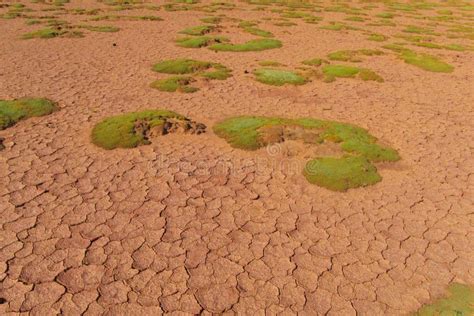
(212, 71)
(175, 83)
(12, 111)
(119, 131)
(459, 302)
(181, 66)
(44, 33)
(198, 30)
(377, 37)
(314, 62)
(331, 72)
(353, 169)
(250, 46)
(277, 77)
(212, 20)
(341, 174)
(269, 63)
(200, 41)
(257, 32)
(190, 66)
(95, 28)
(353, 55)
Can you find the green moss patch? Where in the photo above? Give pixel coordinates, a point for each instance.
(353, 55)
(181, 66)
(353, 169)
(138, 128)
(127, 18)
(270, 63)
(96, 28)
(419, 30)
(331, 72)
(53, 32)
(190, 66)
(337, 26)
(314, 62)
(458, 302)
(277, 77)
(257, 32)
(341, 174)
(200, 41)
(377, 37)
(253, 45)
(212, 20)
(198, 30)
(175, 84)
(208, 70)
(12, 111)
(423, 61)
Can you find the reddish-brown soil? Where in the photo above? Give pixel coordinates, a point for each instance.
(189, 224)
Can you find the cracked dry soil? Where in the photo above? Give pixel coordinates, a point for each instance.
(188, 225)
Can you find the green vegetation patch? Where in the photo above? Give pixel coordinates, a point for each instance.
(377, 37)
(337, 26)
(121, 132)
(200, 41)
(190, 66)
(278, 77)
(175, 83)
(418, 30)
(208, 70)
(269, 63)
(459, 302)
(353, 55)
(52, 32)
(212, 20)
(257, 32)
(198, 30)
(12, 111)
(314, 62)
(353, 169)
(101, 28)
(253, 45)
(331, 72)
(423, 61)
(341, 174)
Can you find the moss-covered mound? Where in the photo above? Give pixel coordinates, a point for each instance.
(278, 77)
(359, 148)
(138, 128)
(181, 66)
(459, 302)
(340, 174)
(331, 72)
(12, 111)
(250, 46)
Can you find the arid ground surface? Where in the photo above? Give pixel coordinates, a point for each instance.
(189, 224)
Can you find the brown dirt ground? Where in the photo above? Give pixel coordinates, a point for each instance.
(190, 225)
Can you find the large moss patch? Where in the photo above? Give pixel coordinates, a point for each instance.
(12, 111)
(278, 77)
(250, 46)
(360, 149)
(138, 128)
(459, 301)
